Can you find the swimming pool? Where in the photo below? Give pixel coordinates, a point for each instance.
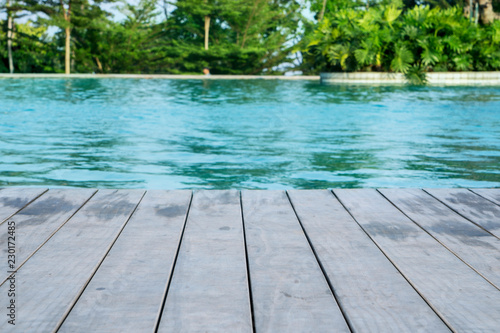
(220, 134)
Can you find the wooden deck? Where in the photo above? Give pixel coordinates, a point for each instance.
(358, 260)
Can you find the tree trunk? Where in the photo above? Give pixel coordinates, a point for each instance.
(99, 65)
(476, 14)
(468, 8)
(207, 30)
(67, 56)
(486, 13)
(322, 12)
(10, 27)
(165, 9)
(207, 27)
(67, 30)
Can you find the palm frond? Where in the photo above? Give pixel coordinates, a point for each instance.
(416, 76)
(402, 60)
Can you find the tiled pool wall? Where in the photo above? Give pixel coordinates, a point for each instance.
(441, 78)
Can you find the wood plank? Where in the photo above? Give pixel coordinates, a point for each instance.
(463, 298)
(472, 244)
(36, 223)
(492, 194)
(51, 281)
(289, 291)
(126, 293)
(209, 288)
(374, 295)
(472, 206)
(13, 199)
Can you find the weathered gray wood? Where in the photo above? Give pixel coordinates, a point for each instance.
(52, 280)
(472, 206)
(37, 222)
(209, 289)
(126, 293)
(462, 297)
(289, 290)
(471, 243)
(50, 283)
(13, 199)
(374, 295)
(492, 194)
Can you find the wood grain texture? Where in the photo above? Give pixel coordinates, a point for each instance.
(290, 292)
(36, 223)
(492, 194)
(13, 199)
(52, 280)
(460, 296)
(90, 275)
(209, 288)
(471, 243)
(472, 206)
(374, 295)
(126, 293)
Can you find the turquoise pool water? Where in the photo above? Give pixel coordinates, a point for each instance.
(174, 134)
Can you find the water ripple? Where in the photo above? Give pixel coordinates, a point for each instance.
(140, 133)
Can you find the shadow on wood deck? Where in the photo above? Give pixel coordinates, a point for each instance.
(364, 260)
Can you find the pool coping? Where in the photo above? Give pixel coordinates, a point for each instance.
(361, 78)
(158, 76)
(435, 78)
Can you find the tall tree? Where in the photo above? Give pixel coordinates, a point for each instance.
(62, 14)
(207, 27)
(59, 15)
(33, 49)
(242, 37)
(10, 28)
(66, 11)
(246, 36)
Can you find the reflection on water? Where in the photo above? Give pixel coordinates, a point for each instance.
(140, 133)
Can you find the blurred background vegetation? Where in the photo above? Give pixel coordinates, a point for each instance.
(249, 36)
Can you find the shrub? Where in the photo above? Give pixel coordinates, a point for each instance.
(420, 40)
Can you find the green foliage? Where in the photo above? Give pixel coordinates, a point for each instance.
(245, 37)
(251, 37)
(402, 60)
(32, 48)
(414, 42)
(415, 75)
